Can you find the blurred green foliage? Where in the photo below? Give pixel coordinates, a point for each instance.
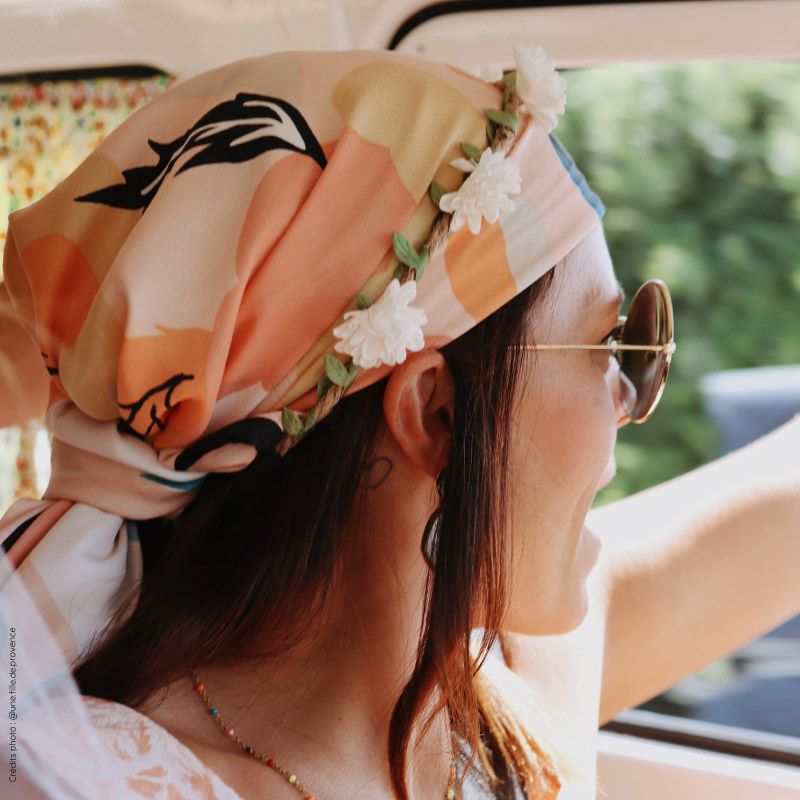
(699, 168)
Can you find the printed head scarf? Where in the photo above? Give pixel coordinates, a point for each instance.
(184, 282)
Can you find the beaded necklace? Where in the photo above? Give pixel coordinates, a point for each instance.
(287, 775)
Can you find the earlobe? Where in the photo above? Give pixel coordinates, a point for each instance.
(418, 407)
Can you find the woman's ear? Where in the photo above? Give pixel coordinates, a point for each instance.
(418, 407)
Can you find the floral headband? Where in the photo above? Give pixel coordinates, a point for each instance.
(382, 332)
(244, 250)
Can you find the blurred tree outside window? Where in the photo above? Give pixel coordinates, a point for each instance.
(699, 168)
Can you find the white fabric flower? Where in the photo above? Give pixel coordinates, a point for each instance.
(484, 193)
(542, 90)
(382, 333)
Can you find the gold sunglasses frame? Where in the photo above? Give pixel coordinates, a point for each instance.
(667, 349)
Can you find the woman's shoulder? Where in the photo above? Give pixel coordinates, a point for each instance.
(122, 746)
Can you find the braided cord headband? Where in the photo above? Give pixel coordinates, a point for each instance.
(484, 194)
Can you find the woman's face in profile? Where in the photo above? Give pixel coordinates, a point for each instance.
(562, 443)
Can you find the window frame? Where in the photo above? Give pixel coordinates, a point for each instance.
(763, 747)
(708, 736)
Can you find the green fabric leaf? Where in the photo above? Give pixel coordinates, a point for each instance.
(436, 191)
(352, 374)
(400, 273)
(335, 370)
(311, 420)
(403, 249)
(470, 151)
(510, 78)
(323, 386)
(363, 301)
(292, 423)
(491, 130)
(422, 262)
(507, 118)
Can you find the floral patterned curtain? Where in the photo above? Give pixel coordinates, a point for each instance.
(46, 129)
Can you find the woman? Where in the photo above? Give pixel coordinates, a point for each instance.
(315, 564)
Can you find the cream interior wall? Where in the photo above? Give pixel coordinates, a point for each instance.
(183, 37)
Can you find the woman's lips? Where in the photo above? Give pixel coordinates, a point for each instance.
(608, 474)
(594, 543)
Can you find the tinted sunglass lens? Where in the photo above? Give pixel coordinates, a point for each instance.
(647, 324)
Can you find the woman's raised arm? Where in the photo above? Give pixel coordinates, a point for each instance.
(698, 566)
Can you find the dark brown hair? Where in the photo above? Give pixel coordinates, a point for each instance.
(241, 571)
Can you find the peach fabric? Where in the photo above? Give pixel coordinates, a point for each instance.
(141, 759)
(183, 282)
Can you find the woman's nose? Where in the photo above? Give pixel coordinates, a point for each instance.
(624, 396)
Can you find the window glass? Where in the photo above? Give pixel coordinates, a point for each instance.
(699, 167)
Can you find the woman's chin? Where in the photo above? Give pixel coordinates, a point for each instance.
(609, 473)
(572, 613)
(567, 610)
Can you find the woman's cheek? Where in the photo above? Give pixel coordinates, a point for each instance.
(582, 429)
(562, 442)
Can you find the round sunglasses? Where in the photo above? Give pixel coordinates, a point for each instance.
(642, 343)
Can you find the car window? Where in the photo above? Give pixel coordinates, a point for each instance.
(699, 168)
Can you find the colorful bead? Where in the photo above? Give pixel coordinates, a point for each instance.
(292, 779)
(214, 711)
(229, 732)
(201, 687)
(271, 762)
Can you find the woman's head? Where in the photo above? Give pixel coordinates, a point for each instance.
(242, 213)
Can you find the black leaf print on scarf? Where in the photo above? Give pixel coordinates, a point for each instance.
(232, 132)
(149, 410)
